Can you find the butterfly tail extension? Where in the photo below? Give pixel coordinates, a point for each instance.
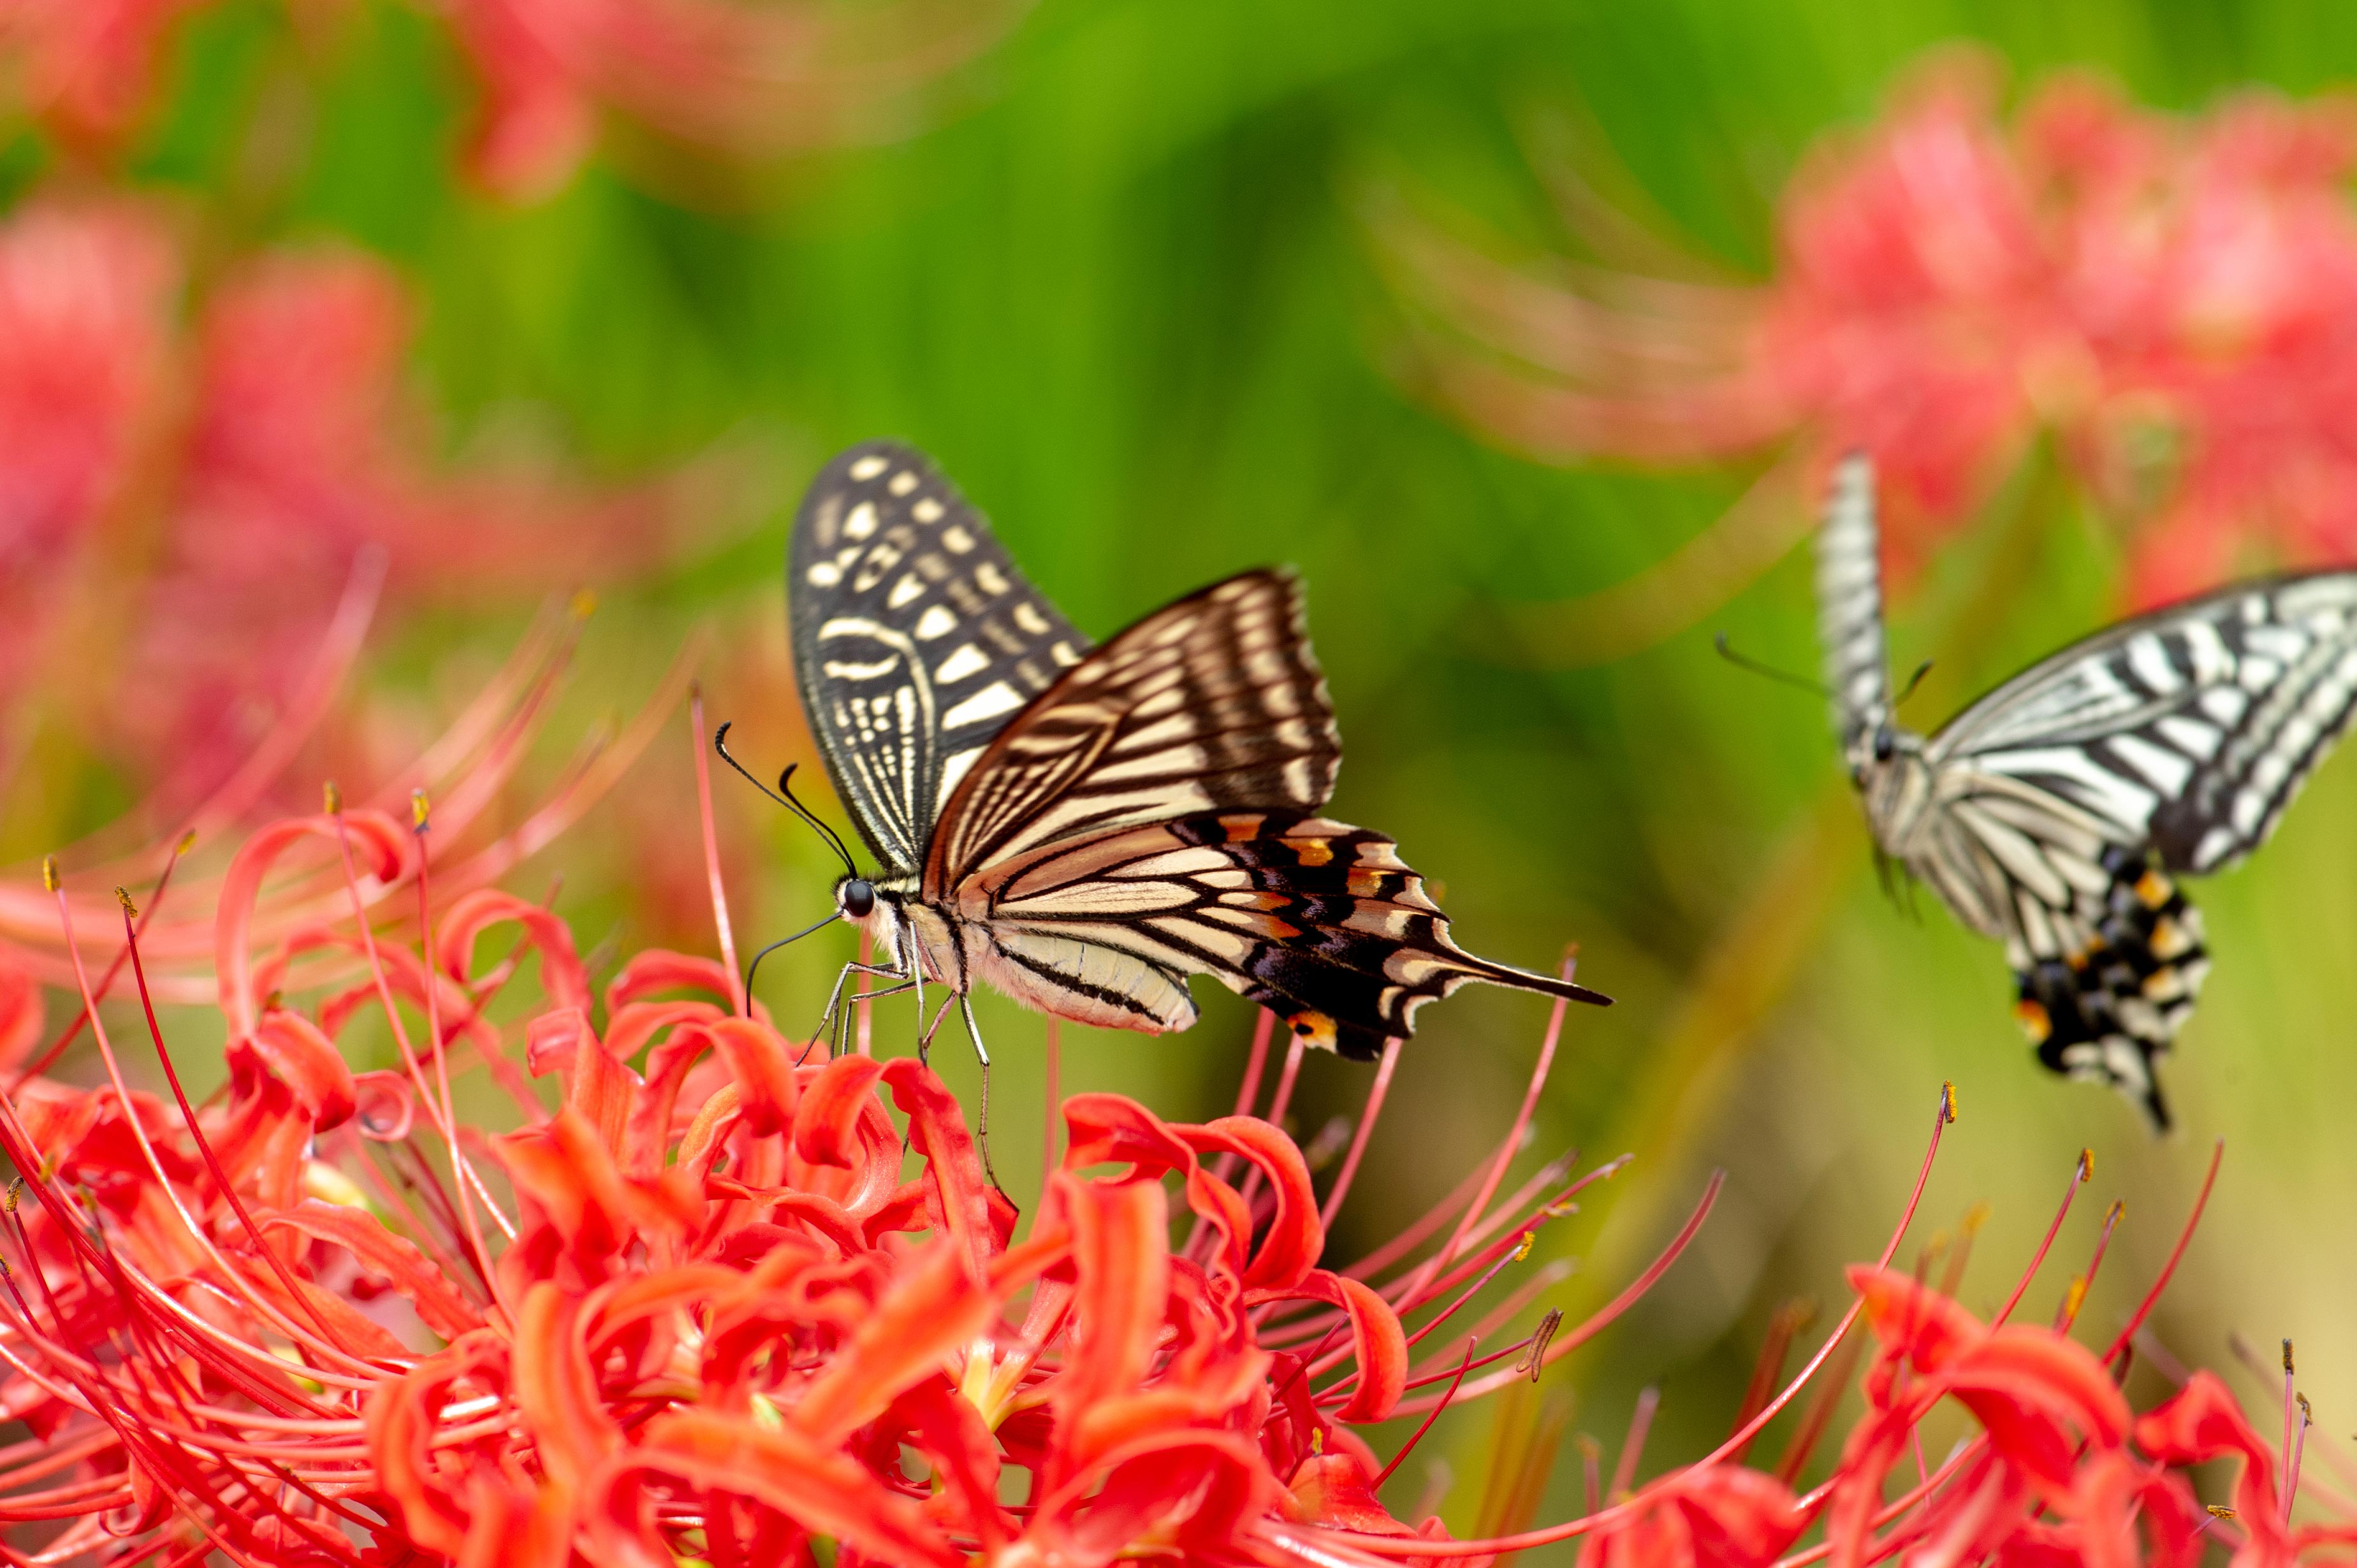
(2111, 1011)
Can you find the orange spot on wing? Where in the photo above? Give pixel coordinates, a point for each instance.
(2154, 889)
(1244, 828)
(1313, 852)
(2033, 1021)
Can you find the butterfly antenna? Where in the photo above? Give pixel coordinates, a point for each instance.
(755, 967)
(1745, 662)
(786, 791)
(784, 796)
(1912, 681)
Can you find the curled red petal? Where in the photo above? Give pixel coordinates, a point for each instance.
(658, 969)
(818, 1486)
(2037, 1375)
(1332, 1489)
(288, 1049)
(1121, 1255)
(935, 1308)
(1380, 1343)
(1913, 1320)
(20, 1012)
(952, 1178)
(1295, 1238)
(402, 1417)
(2204, 1423)
(1195, 1488)
(763, 1066)
(381, 846)
(1106, 1129)
(439, 1305)
(827, 1122)
(556, 1389)
(562, 979)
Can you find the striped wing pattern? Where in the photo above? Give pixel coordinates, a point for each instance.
(1208, 704)
(1849, 600)
(2050, 812)
(2190, 728)
(915, 640)
(1319, 921)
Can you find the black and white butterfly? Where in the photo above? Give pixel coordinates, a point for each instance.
(2050, 814)
(1083, 827)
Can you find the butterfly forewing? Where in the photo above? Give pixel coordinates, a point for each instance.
(1210, 704)
(915, 640)
(2189, 729)
(1849, 599)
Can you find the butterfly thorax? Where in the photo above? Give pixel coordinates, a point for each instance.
(898, 922)
(1895, 784)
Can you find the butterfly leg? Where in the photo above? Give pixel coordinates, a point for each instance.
(828, 1020)
(982, 1120)
(925, 1040)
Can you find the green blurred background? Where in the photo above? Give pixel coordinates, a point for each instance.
(1120, 284)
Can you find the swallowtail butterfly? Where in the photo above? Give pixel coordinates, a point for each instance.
(2051, 813)
(1085, 827)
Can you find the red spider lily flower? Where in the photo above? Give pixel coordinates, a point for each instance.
(86, 295)
(721, 1300)
(90, 66)
(258, 464)
(740, 81)
(2059, 1473)
(234, 930)
(2174, 298)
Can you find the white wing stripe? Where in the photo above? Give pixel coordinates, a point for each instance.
(2097, 786)
(2163, 769)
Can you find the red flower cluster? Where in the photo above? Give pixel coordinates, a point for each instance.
(733, 78)
(719, 1319)
(2175, 299)
(705, 1309)
(161, 483)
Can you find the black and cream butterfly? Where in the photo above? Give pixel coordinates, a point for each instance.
(2051, 813)
(1085, 827)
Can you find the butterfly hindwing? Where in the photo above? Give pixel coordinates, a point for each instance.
(1319, 921)
(2110, 1008)
(915, 638)
(1211, 703)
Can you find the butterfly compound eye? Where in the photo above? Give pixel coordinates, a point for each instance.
(858, 898)
(1885, 744)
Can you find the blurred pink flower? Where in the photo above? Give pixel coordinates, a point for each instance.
(85, 323)
(160, 486)
(89, 67)
(2174, 298)
(740, 79)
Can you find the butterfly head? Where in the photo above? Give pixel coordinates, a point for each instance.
(1888, 767)
(855, 899)
(878, 907)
